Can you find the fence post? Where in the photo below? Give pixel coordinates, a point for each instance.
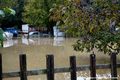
(93, 66)
(0, 66)
(113, 66)
(73, 67)
(50, 67)
(23, 67)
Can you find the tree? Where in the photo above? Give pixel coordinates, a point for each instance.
(37, 13)
(11, 20)
(7, 17)
(33, 14)
(91, 23)
(7, 3)
(19, 12)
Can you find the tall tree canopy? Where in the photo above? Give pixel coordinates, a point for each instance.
(8, 3)
(96, 25)
(34, 14)
(37, 13)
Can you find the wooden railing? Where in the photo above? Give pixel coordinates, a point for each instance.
(50, 70)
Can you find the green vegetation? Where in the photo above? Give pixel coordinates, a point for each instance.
(1, 38)
(36, 13)
(96, 23)
(12, 10)
(8, 3)
(92, 24)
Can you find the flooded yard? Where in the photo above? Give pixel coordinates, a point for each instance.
(36, 50)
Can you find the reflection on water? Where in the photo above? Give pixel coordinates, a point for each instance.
(36, 50)
(9, 43)
(25, 41)
(57, 41)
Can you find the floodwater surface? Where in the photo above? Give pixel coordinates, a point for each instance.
(36, 50)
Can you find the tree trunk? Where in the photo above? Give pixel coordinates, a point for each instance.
(19, 11)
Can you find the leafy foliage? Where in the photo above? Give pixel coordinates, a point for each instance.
(33, 13)
(9, 12)
(7, 16)
(91, 24)
(8, 3)
(37, 11)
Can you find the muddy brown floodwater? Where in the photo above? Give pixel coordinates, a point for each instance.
(36, 50)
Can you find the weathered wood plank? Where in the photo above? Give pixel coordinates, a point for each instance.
(36, 72)
(113, 66)
(50, 67)
(73, 68)
(11, 74)
(23, 67)
(93, 67)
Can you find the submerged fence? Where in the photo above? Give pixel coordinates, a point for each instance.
(50, 70)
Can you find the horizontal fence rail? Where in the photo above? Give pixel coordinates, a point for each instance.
(57, 70)
(50, 70)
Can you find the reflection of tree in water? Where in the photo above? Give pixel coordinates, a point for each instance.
(58, 41)
(43, 41)
(9, 43)
(40, 41)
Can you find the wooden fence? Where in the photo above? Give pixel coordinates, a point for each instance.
(50, 70)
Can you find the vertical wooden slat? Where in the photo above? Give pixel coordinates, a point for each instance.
(73, 67)
(113, 66)
(23, 67)
(93, 66)
(1, 67)
(50, 67)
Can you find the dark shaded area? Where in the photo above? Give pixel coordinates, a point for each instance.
(50, 27)
(14, 23)
(14, 20)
